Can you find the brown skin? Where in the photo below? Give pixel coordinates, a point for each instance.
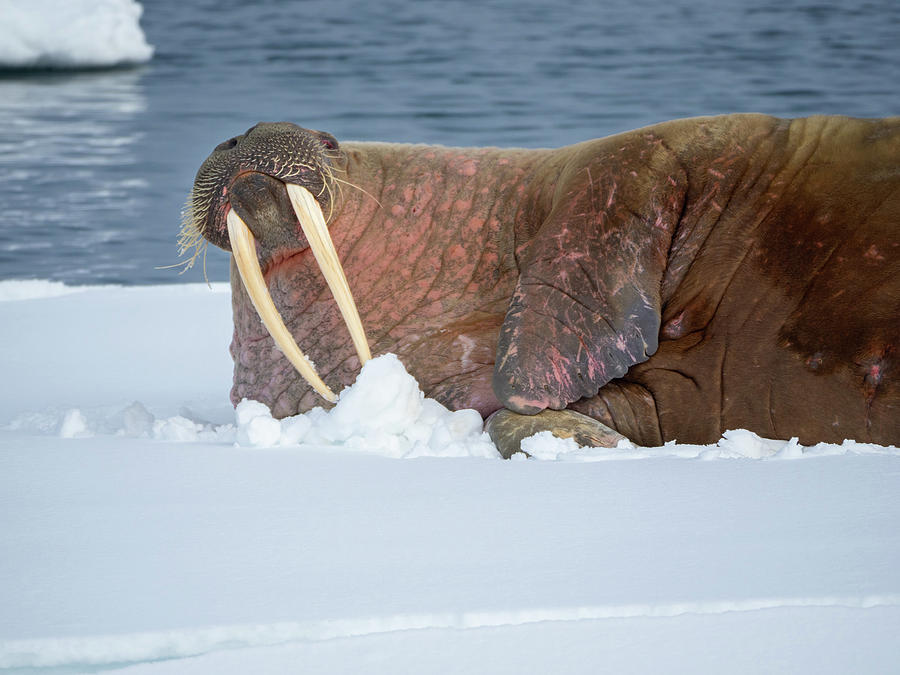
(672, 282)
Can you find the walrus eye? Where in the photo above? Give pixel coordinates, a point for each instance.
(227, 145)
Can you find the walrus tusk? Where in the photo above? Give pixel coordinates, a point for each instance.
(309, 213)
(243, 248)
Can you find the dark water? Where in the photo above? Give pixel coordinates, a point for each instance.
(94, 167)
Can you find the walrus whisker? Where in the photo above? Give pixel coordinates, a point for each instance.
(189, 237)
(243, 247)
(340, 181)
(189, 263)
(309, 213)
(329, 183)
(326, 188)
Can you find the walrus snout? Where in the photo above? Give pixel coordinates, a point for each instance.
(281, 151)
(263, 204)
(261, 194)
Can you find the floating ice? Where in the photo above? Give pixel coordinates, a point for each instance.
(71, 34)
(13, 290)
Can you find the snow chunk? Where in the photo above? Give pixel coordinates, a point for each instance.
(296, 428)
(384, 412)
(136, 421)
(742, 443)
(71, 34)
(255, 424)
(178, 429)
(384, 399)
(74, 425)
(247, 410)
(544, 445)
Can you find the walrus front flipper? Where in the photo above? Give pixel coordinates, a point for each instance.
(507, 429)
(587, 303)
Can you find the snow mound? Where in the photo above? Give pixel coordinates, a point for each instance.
(734, 444)
(384, 413)
(71, 34)
(132, 421)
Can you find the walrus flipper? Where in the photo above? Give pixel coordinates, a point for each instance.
(587, 303)
(507, 429)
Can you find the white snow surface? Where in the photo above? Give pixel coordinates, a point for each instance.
(148, 527)
(71, 34)
(383, 413)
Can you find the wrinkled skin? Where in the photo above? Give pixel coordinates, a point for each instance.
(671, 282)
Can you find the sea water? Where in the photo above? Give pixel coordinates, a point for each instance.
(95, 165)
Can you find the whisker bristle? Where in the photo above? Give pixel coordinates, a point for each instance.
(190, 239)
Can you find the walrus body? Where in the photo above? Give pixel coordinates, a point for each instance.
(671, 282)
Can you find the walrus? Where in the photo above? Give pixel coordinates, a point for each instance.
(668, 283)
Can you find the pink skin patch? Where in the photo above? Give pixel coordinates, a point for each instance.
(425, 258)
(873, 254)
(469, 168)
(874, 375)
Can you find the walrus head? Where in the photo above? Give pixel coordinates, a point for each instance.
(265, 192)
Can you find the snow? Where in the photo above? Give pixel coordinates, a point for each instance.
(734, 444)
(148, 527)
(384, 413)
(71, 34)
